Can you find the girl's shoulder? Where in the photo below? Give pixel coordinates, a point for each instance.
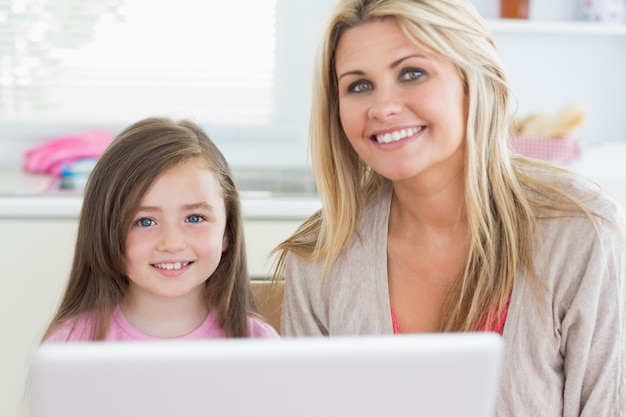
(258, 328)
(76, 329)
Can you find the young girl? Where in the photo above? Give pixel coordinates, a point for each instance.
(430, 224)
(160, 248)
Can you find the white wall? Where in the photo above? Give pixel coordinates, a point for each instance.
(547, 70)
(552, 65)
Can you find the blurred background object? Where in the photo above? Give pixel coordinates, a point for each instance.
(610, 11)
(514, 9)
(551, 137)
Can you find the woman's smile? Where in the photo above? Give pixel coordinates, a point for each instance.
(397, 135)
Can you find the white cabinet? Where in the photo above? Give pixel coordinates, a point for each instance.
(553, 59)
(36, 255)
(261, 237)
(552, 64)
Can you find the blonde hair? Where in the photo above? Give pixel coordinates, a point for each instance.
(499, 202)
(121, 177)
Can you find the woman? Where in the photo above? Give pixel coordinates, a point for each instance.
(430, 224)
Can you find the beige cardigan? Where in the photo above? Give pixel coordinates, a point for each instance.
(565, 347)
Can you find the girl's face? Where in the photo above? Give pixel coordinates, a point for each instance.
(403, 110)
(177, 238)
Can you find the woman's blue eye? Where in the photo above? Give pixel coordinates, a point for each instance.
(360, 86)
(145, 222)
(412, 74)
(195, 218)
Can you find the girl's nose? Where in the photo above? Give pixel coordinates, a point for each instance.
(172, 239)
(386, 103)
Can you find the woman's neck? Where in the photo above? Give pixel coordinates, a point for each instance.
(425, 206)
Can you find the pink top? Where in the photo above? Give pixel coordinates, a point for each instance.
(121, 330)
(495, 326)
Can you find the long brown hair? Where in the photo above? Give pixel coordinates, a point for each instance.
(97, 282)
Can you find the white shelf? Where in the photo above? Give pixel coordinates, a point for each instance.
(556, 27)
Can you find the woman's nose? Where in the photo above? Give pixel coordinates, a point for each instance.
(172, 239)
(386, 103)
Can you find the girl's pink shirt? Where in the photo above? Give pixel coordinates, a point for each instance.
(121, 330)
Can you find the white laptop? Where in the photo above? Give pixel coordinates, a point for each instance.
(431, 375)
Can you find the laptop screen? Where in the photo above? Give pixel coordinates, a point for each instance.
(450, 374)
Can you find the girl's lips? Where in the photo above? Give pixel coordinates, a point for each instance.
(172, 268)
(171, 265)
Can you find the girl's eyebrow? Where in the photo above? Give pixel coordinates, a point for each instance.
(192, 206)
(148, 208)
(198, 206)
(394, 64)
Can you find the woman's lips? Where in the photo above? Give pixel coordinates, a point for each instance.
(397, 135)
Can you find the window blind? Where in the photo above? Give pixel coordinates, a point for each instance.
(241, 69)
(119, 60)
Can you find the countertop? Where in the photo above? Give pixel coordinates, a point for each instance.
(68, 207)
(34, 196)
(25, 195)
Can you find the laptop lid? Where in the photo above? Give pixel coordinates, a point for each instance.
(452, 374)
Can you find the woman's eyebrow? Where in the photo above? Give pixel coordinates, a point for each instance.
(355, 72)
(394, 64)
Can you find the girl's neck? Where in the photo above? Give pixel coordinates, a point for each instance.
(164, 317)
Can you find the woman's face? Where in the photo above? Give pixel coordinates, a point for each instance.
(403, 110)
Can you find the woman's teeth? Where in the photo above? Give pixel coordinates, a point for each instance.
(176, 265)
(397, 135)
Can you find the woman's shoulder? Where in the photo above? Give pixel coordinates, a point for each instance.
(545, 180)
(576, 218)
(370, 234)
(375, 217)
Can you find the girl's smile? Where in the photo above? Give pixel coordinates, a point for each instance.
(172, 269)
(172, 265)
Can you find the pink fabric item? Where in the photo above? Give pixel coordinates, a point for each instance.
(495, 326)
(49, 157)
(560, 150)
(121, 330)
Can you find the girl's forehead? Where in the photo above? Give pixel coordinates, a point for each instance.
(192, 176)
(196, 164)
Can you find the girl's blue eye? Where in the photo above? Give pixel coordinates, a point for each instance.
(360, 86)
(145, 222)
(195, 218)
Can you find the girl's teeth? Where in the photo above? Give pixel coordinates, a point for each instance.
(176, 265)
(397, 135)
